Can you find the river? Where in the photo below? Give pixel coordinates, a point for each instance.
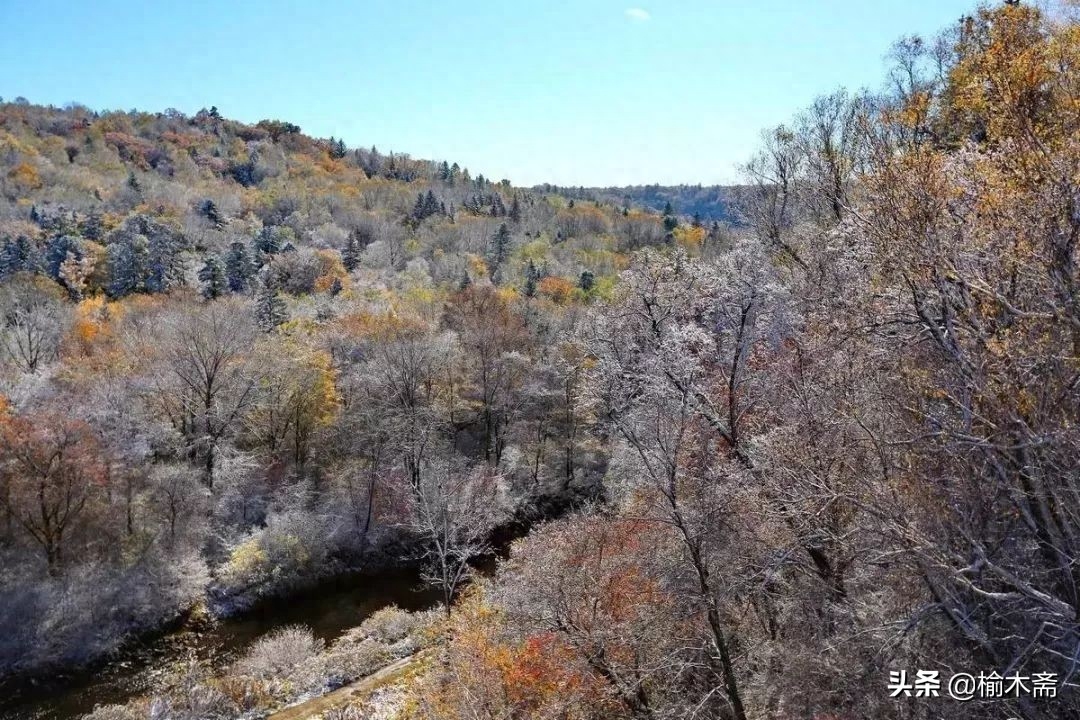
(329, 609)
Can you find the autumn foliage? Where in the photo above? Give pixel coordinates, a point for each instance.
(846, 445)
(52, 475)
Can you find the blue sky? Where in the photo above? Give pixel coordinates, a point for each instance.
(573, 92)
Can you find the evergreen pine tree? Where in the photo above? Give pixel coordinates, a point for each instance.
(212, 277)
(133, 182)
(209, 209)
(238, 267)
(431, 204)
(670, 221)
(515, 210)
(532, 277)
(500, 248)
(29, 255)
(587, 280)
(270, 240)
(19, 255)
(8, 258)
(56, 252)
(350, 256)
(164, 264)
(466, 281)
(123, 259)
(270, 310)
(92, 227)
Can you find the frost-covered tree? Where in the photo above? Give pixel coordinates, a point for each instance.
(212, 277)
(270, 308)
(19, 255)
(455, 511)
(164, 264)
(33, 320)
(239, 269)
(350, 256)
(125, 262)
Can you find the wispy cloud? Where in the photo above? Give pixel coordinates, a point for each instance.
(638, 14)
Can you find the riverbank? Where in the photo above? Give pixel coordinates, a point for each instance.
(356, 693)
(329, 604)
(330, 608)
(286, 669)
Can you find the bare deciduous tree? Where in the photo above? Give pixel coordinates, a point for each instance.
(455, 510)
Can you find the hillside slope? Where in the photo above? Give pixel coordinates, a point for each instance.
(708, 203)
(258, 354)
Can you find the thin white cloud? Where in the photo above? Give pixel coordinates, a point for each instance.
(638, 14)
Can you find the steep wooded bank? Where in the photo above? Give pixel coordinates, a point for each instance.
(844, 449)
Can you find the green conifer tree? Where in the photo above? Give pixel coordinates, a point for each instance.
(532, 277)
(670, 221)
(212, 277)
(500, 248)
(270, 309)
(238, 267)
(587, 280)
(124, 259)
(350, 256)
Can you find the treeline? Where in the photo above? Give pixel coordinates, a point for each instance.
(710, 203)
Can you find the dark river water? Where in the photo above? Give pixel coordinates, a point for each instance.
(329, 610)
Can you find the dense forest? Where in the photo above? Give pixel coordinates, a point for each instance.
(711, 203)
(236, 358)
(778, 468)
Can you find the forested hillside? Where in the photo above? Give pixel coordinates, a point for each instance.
(237, 357)
(706, 204)
(786, 469)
